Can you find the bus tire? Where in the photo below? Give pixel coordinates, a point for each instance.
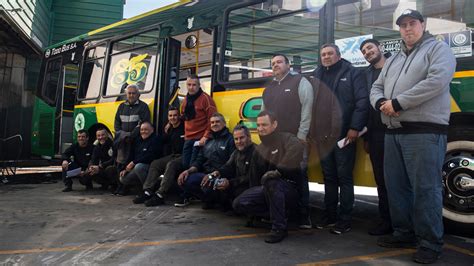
(458, 178)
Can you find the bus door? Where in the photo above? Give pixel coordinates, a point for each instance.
(169, 86)
(65, 108)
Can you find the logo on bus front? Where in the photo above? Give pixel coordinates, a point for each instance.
(129, 71)
(79, 122)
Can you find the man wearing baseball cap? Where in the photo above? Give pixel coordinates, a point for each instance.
(412, 94)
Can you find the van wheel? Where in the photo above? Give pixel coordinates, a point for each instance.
(458, 182)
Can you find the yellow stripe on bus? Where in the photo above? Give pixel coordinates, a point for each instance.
(125, 21)
(464, 74)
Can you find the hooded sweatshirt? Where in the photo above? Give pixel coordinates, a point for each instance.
(417, 81)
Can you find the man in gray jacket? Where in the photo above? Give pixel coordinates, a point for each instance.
(412, 92)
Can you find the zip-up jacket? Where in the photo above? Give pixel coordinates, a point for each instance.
(173, 141)
(215, 152)
(146, 150)
(280, 151)
(417, 82)
(80, 155)
(103, 154)
(236, 169)
(129, 117)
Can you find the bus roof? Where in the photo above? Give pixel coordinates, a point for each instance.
(173, 17)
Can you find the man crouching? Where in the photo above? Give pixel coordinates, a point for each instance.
(274, 176)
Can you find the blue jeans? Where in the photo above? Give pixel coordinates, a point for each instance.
(137, 175)
(337, 170)
(413, 165)
(190, 152)
(192, 186)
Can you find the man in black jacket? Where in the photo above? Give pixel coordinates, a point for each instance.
(165, 170)
(374, 139)
(77, 156)
(215, 153)
(146, 148)
(233, 176)
(101, 167)
(274, 177)
(348, 86)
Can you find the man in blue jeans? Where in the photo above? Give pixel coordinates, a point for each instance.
(412, 92)
(215, 153)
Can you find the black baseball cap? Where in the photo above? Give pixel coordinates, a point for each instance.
(410, 13)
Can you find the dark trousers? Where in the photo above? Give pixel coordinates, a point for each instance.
(68, 180)
(337, 170)
(105, 177)
(163, 173)
(376, 150)
(274, 198)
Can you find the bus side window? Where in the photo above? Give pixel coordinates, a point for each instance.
(51, 80)
(91, 73)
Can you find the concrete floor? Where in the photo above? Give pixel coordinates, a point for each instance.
(40, 225)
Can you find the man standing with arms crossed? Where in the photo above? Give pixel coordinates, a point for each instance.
(374, 138)
(289, 96)
(412, 92)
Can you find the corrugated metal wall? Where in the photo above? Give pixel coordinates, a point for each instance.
(72, 18)
(33, 17)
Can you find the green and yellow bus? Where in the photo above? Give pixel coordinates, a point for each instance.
(229, 44)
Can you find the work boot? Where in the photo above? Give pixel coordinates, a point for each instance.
(155, 200)
(67, 189)
(426, 256)
(276, 236)
(396, 242)
(382, 228)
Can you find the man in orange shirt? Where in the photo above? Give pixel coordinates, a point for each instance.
(196, 109)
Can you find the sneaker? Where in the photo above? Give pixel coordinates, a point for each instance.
(383, 228)
(326, 222)
(341, 227)
(182, 203)
(141, 198)
(426, 256)
(305, 222)
(67, 189)
(396, 242)
(276, 236)
(155, 200)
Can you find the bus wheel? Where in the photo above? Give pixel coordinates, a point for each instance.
(458, 182)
